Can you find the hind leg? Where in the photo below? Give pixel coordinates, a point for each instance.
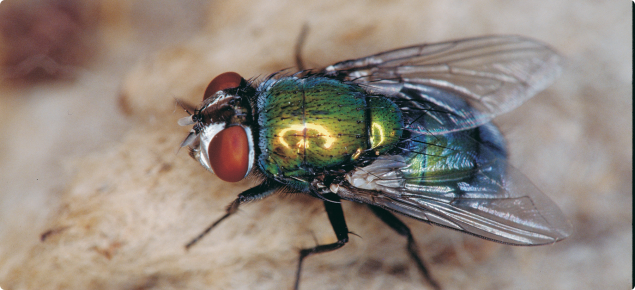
(336, 217)
(401, 228)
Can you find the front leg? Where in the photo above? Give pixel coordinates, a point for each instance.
(260, 191)
(336, 217)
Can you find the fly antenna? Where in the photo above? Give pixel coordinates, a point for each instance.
(187, 107)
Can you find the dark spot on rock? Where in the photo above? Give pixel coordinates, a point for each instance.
(370, 268)
(398, 270)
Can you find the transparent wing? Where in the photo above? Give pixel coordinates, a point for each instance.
(494, 74)
(492, 200)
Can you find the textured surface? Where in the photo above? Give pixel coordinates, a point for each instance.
(91, 161)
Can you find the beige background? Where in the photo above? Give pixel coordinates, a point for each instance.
(89, 154)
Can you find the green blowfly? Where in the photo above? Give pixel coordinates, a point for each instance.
(405, 131)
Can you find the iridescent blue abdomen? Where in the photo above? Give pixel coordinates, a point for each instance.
(475, 156)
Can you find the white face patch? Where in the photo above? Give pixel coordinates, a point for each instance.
(218, 97)
(205, 138)
(252, 154)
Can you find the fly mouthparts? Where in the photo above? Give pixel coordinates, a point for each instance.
(189, 139)
(186, 121)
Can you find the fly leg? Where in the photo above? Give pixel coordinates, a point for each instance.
(401, 228)
(257, 192)
(336, 217)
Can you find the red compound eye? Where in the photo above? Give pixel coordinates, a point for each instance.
(222, 81)
(229, 154)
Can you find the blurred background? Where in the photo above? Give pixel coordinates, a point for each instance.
(94, 195)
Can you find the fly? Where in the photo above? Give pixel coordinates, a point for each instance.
(405, 131)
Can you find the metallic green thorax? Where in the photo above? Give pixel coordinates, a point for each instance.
(311, 124)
